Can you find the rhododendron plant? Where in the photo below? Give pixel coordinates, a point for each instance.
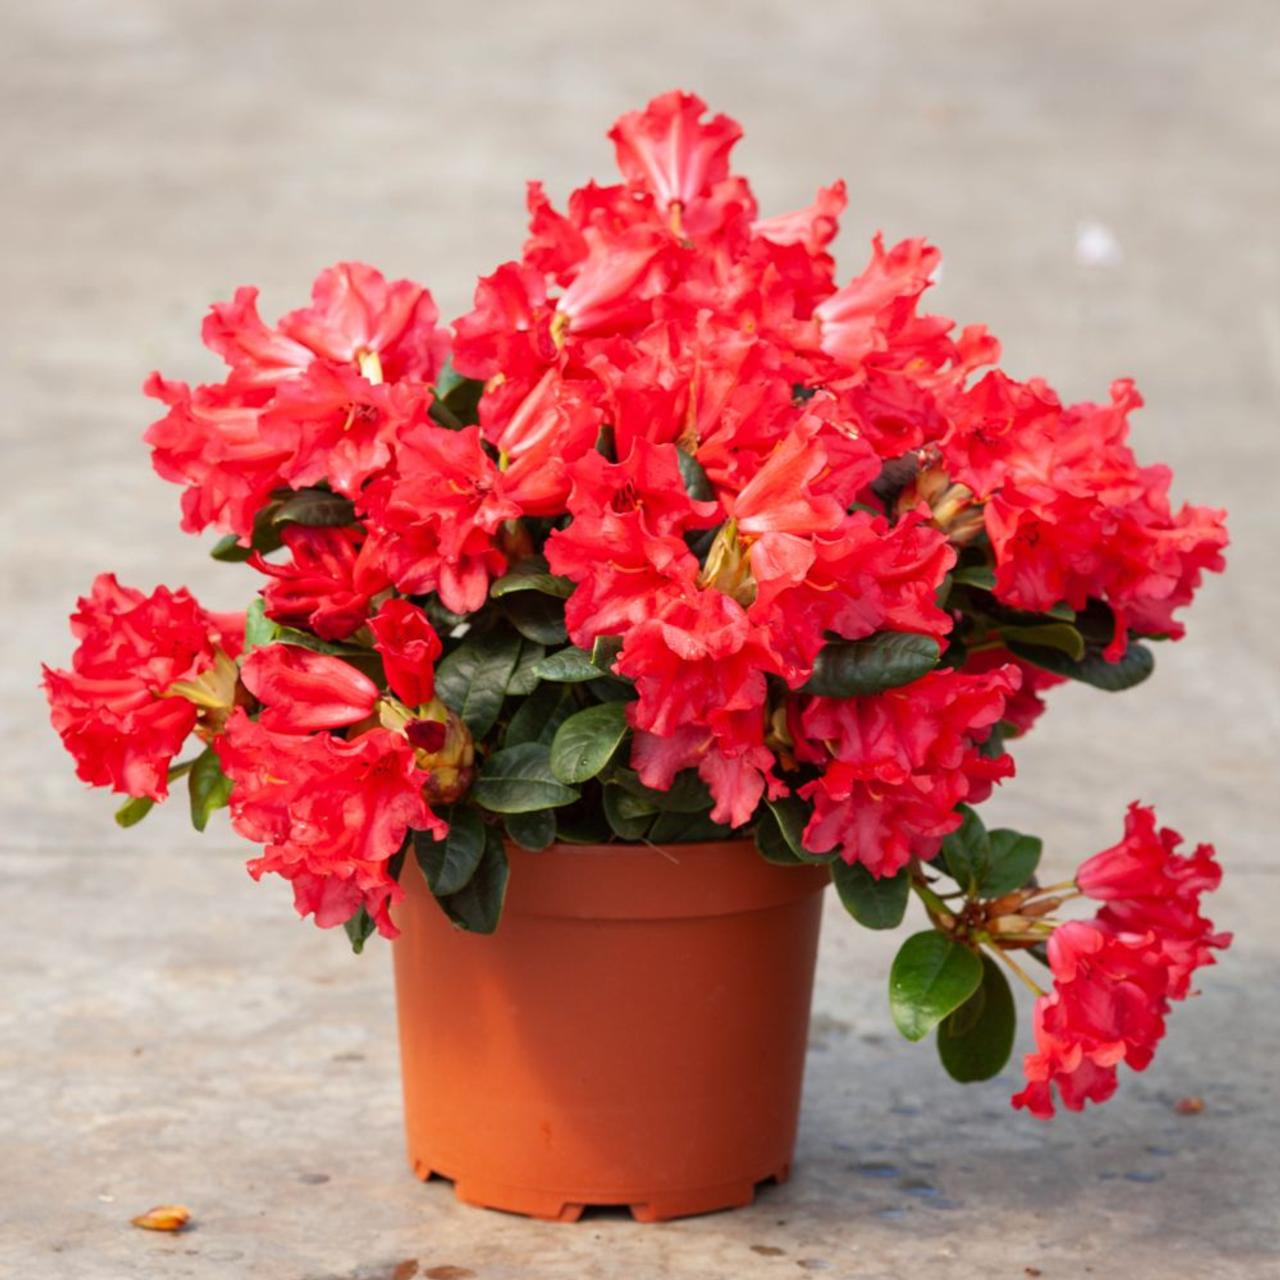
(671, 537)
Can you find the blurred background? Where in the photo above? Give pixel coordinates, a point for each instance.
(1104, 182)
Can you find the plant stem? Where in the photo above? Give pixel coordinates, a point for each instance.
(1017, 968)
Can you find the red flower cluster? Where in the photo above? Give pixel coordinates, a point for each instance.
(1114, 976)
(117, 709)
(665, 464)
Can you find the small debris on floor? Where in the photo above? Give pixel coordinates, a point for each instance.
(768, 1250)
(1191, 1106)
(164, 1217)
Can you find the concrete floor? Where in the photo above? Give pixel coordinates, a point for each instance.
(1103, 180)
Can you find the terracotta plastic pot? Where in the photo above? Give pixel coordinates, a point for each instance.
(633, 1034)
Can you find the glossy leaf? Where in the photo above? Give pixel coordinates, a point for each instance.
(876, 903)
(448, 864)
(519, 780)
(687, 794)
(538, 717)
(315, 507)
(932, 975)
(230, 550)
(686, 828)
(472, 680)
(975, 1040)
(982, 576)
(536, 616)
(1061, 636)
(533, 831)
(531, 575)
(524, 679)
(1014, 858)
(258, 628)
(1136, 664)
(209, 788)
(967, 852)
(696, 482)
(568, 666)
(359, 929)
(134, 809)
(628, 816)
(585, 743)
(856, 668)
(477, 907)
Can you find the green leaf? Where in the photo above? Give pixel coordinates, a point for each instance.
(305, 640)
(230, 550)
(568, 666)
(967, 852)
(457, 399)
(604, 653)
(533, 831)
(790, 816)
(1136, 664)
(975, 1040)
(519, 780)
(360, 928)
(931, 976)
(134, 810)
(532, 575)
(585, 743)
(688, 792)
(686, 828)
(317, 508)
(856, 668)
(982, 576)
(524, 679)
(628, 816)
(472, 680)
(258, 628)
(477, 907)
(536, 616)
(449, 863)
(538, 717)
(1053, 635)
(210, 788)
(876, 903)
(1014, 858)
(696, 483)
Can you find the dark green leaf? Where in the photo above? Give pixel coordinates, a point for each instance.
(536, 616)
(524, 679)
(975, 1041)
(315, 507)
(305, 640)
(519, 780)
(568, 666)
(688, 793)
(628, 816)
(585, 743)
(604, 653)
(230, 550)
(855, 668)
(449, 863)
(457, 399)
(982, 576)
(1133, 668)
(931, 975)
(477, 908)
(360, 928)
(791, 816)
(967, 852)
(876, 903)
(1014, 858)
(533, 831)
(531, 575)
(538, 717)
(695, 478)
(134, 810)
(210, 788)
(472, 680)
(685, 828)
(1052, 635)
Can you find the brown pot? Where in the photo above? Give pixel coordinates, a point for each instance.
(633, 1034)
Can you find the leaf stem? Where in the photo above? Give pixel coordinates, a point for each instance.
(1030, 982)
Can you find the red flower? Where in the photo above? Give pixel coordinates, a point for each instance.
(1025, 706)
(112, 709)
(1146, 886)
(898, 763)
(667, 151)
(434, 518)
(356, 318)
(329, 583)
(301, 690)
(329, 813)
(814, 227)
(409, 647)
(1108, 1005)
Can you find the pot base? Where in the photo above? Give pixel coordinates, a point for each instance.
(554, 1206)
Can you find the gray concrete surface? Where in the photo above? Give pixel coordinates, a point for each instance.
(170, 1033)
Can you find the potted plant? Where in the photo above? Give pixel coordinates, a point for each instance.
(596, 634)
